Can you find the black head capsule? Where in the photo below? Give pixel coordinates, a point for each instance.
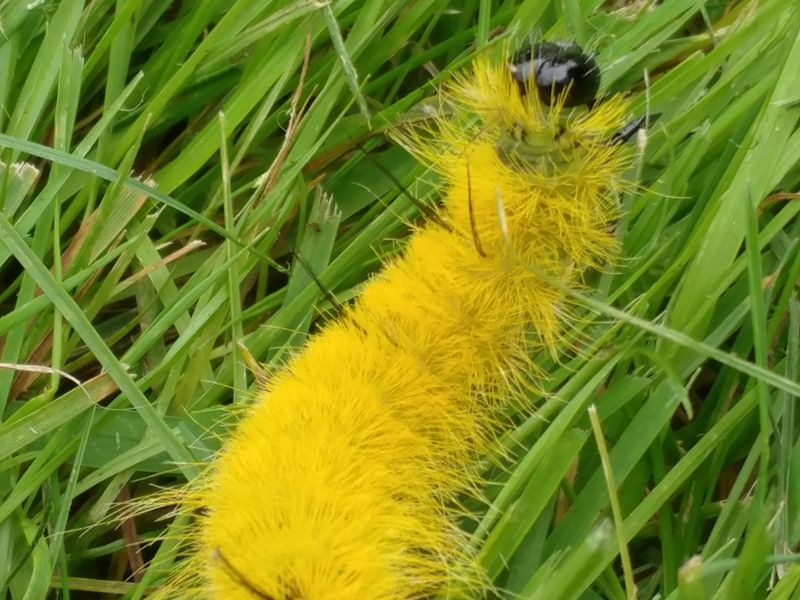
(554, 67)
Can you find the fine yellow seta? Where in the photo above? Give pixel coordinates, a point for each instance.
(346, 478)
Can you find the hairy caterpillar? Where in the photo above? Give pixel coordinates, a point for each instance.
(344, 480)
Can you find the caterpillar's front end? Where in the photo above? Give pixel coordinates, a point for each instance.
(538, 155)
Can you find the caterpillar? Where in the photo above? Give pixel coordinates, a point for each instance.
(346, 478)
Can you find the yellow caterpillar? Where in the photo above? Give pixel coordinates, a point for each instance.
(343, 481)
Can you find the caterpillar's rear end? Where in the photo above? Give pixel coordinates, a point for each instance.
(344, 480)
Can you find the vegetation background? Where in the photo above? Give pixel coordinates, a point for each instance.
(165, 163)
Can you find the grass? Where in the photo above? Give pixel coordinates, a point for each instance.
(164, 176)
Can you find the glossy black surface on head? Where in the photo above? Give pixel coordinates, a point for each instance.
(553, 67)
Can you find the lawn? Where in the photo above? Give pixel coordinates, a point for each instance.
(189, 188)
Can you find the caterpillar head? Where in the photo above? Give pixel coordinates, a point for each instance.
(560, 71)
